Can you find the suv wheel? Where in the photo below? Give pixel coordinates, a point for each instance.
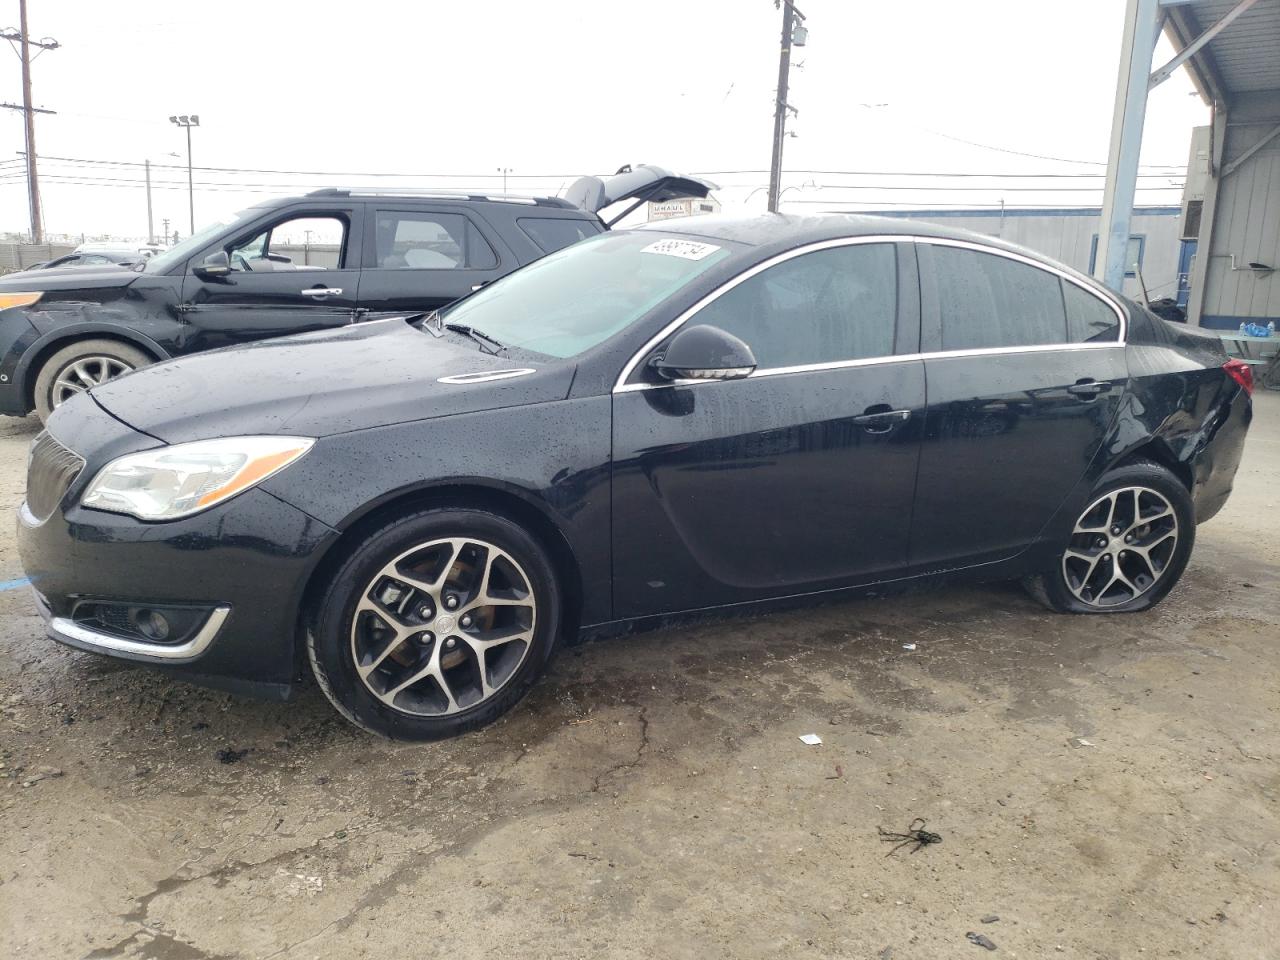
(79, 366)
(436, 624)
(1127, 549)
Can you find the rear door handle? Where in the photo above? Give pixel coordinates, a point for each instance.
(322, 292)
(1088, 389)
(880, 420)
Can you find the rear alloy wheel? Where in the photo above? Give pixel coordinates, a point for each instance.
(84, 364)
(436, 625)
(1128, 547)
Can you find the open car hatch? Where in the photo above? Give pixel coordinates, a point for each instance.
(643, 184)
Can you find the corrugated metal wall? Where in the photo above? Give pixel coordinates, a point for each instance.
(1246, 222)
(1068, 237)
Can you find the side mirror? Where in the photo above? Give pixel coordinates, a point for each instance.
(214, 265)
(703, 352)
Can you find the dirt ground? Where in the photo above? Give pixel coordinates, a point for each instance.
(1106, 787)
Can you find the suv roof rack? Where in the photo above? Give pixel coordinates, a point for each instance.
(444, 195)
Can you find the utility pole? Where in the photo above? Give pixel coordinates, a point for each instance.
(504, 171)
(793, 32)
(165, 221)
(151, 230)
(189, 121)
(25, 43)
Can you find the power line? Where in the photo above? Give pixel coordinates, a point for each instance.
(475, 175)
(90, 179)
(318, 173)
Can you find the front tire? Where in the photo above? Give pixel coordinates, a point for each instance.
(1127, 549)
(436, 624)
(81, 365)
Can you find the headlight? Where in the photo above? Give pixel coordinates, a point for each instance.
(171, 482)
(8, 300)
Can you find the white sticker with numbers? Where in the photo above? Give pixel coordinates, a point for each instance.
(684, 249)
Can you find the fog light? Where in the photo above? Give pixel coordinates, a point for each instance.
(154, 623)
(151, 624)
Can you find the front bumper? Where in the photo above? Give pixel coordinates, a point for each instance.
(246, 561)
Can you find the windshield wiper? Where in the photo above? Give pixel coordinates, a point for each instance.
(495, 346)
(430, 322)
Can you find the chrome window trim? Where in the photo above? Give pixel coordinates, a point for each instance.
(875, 361)
(1048, 268)
(621, 385)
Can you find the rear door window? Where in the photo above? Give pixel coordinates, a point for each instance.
(554, 233)
(988, 301)
(422, 240)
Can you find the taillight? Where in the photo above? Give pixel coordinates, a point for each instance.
(1241, 373)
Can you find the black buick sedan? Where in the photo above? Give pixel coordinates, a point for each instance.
(714, 414)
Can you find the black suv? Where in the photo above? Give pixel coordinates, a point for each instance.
(327, 259)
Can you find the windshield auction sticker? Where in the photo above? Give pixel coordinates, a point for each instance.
(685, 249)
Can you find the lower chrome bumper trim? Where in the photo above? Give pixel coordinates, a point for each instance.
(68, 631)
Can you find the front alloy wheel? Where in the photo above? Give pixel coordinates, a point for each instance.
(80, 366)
(435, 624)
(443, 627)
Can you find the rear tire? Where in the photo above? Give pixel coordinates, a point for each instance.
(435, 624)
(1128, 548)
(81, 365)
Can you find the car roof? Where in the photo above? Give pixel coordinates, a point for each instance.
(387, 193)
(769, 228)
(787, 231)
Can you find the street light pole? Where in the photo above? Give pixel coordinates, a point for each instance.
(189, 121)
(151, 230)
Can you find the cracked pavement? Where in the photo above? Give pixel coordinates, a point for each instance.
(1107, 786)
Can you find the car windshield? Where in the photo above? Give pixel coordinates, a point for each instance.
(162, 262)
(571, 300)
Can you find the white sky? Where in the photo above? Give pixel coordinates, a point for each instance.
(557, 89)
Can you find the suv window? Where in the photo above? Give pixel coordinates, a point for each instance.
(554, 233)
(306, 242)
(1089, 318)
(430, 241)
(822, 307)
(989, 301)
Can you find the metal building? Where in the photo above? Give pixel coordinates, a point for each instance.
(1231, 207)
(1156, 256)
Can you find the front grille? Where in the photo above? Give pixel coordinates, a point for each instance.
(51, 470)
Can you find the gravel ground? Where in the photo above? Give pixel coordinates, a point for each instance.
(1106, 787)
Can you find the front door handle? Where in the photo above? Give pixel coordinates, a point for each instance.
(1088, 388)
(322, 292)
(880, 419)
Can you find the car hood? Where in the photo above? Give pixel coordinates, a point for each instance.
(330, 381)
(70, 278)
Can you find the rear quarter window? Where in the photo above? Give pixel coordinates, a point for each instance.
(550, 234)
(1089, 319)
